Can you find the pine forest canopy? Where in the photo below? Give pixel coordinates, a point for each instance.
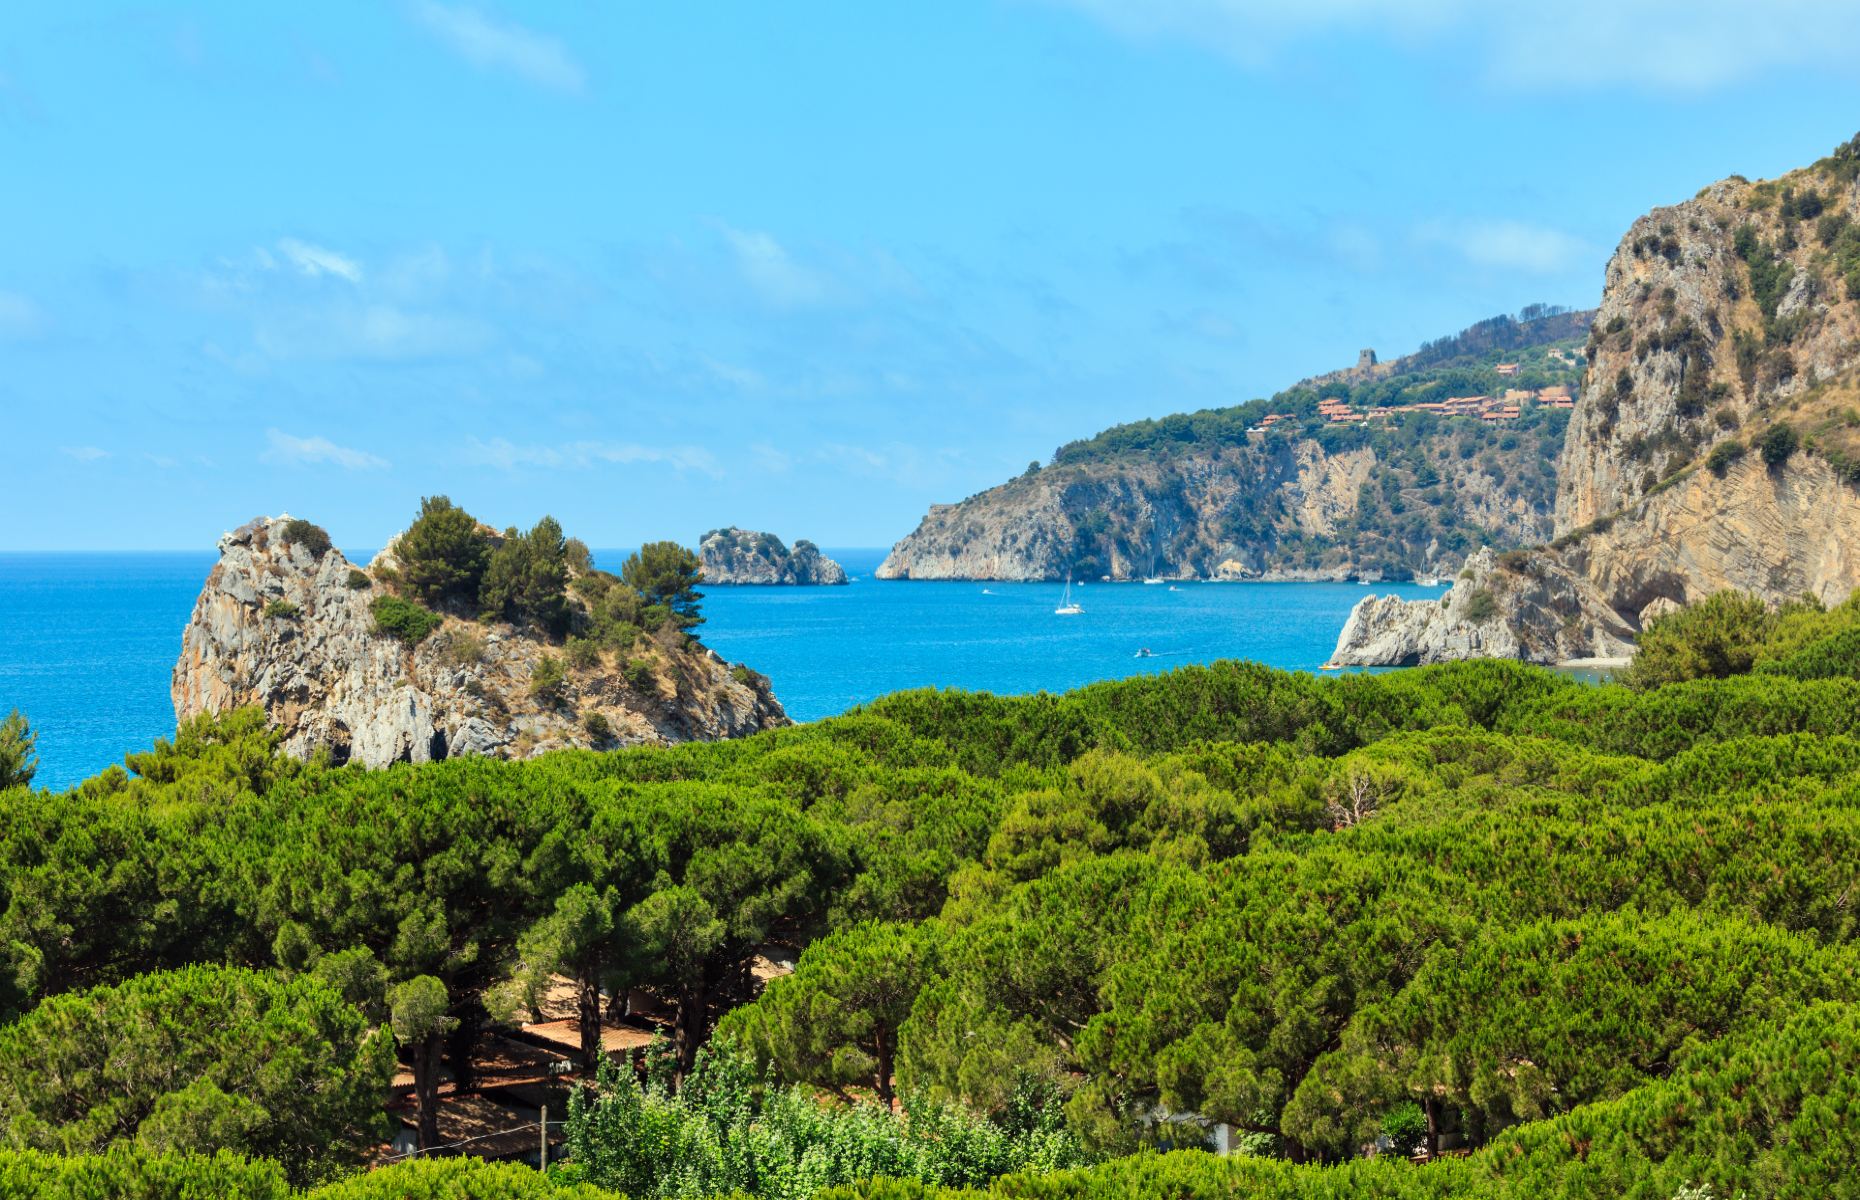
(1480, 905)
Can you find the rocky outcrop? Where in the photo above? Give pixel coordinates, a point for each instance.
(289, 626)
(1729, 331)
(1277, 508)
(1536, 610)
(743, 556)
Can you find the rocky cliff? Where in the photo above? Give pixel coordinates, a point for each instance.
(288, 625)
(1387, 486)
(744, 556)
(1715, 442)
(1276, 507)
(1537, 610)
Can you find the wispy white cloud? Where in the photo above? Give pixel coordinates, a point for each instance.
(1510, 245)
(20, 318)
(369, 332)
(772, 272)
(86, 453)
(493, 45)
(286, 448)
(1659, 45)
(315, 260)
(506, 455)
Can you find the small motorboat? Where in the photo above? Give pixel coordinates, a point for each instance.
(1145, 652)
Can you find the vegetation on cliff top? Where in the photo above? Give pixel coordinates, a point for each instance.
(1464, 364)
(1596, 936)
(448, 561)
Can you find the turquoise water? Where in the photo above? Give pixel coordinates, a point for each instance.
(87, 641)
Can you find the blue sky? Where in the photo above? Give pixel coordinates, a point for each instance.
(804, 267)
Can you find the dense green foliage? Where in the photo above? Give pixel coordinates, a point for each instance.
(723, 1134)
(198, 1060)
(443, 554)
(1599, 936)
(397, 617)
(666, 575)
(1731, 633)
(19, 759)
(527, 578)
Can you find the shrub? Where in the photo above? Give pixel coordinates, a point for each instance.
(1723, 455)
(358, 580)
(597, 725)
(466, 648)
(1481, 605)
(583, 653)
(281, 608)
(1779, 445)
(620, 635)
(401, 618)
(548, 678)
(640, 676)
(197, 1060)
(443, 553)
(299, 532)
(1719, 636)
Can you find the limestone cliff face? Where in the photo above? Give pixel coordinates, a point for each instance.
(744, 556)
(1537, 611)
(1683, 354)
(280, 626)
(1278, 508)
(1725, 320)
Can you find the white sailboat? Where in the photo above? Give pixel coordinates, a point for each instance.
(1066, 607)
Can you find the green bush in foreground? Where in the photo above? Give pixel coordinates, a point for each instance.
(724, 1132)
(194, 1061)
(403, 619)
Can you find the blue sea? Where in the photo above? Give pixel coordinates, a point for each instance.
(87, 641)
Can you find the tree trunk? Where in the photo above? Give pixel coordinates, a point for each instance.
(886, 1045)
(462, 1043)
(1428, 1106)
(688, 1032)
(589, 1015)
(426, 1091)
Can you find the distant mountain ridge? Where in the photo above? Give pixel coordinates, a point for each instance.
(1363, 472)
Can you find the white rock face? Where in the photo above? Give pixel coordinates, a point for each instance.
(280, 627)
(745, 556)
(1539, 613)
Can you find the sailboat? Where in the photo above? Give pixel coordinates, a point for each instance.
(1066, 607)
